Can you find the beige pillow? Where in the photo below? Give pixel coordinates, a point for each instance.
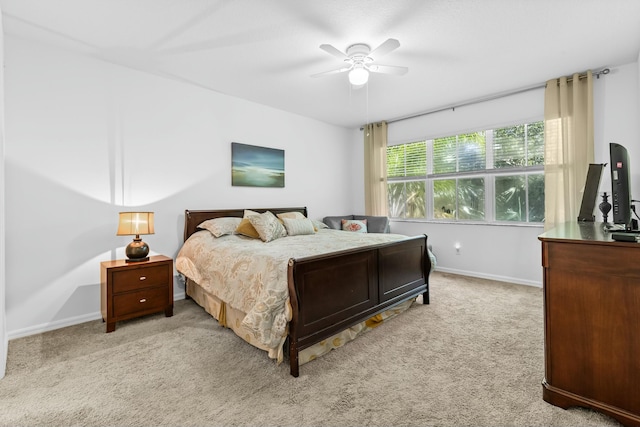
(291, 215)
(267, 226)
(221, 226)
(297, 227)
(247, 229)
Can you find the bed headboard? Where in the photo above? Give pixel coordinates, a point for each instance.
(194, 218)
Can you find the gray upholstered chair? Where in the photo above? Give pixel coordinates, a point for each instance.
(375, 224)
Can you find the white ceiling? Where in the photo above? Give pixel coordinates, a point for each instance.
(266, 50)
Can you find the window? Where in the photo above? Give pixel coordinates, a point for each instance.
(493, 175)
(407, 198)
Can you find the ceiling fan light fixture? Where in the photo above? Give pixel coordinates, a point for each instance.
(358, 76)
(359, 60)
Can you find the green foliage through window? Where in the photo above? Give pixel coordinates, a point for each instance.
(455, 183)
(407, 160)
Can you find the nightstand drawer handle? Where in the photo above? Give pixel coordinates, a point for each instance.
(143, 277)
(143, 300)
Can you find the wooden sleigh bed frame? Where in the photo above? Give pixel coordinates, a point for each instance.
(332, 292)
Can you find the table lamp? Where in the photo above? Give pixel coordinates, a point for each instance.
(136, 223)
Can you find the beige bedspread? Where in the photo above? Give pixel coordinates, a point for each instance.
(251, 275)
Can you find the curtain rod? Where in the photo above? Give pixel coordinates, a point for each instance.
(488, 98)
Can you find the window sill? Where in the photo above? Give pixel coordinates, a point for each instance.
(478, 223)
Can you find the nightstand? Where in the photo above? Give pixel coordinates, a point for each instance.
(134, 289)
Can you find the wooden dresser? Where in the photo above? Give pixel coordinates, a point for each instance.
(592, 321)
(134, 289)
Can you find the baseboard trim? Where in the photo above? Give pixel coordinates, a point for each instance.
(50, 326)
(63, 323)
(515, 280)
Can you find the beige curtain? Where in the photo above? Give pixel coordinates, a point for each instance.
(568, 133)
(375, 169)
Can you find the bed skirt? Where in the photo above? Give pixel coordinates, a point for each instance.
(231, 318)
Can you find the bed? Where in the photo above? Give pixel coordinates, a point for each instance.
(322, 292)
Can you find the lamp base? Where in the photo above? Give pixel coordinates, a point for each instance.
(136, 259)
(137, 251)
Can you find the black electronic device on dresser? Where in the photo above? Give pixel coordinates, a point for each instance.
(621, 188)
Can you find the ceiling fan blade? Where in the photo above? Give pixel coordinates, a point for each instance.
(336, 71)
(388, 69)
(333, 51)
(386, 47)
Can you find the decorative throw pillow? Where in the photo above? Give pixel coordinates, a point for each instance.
(375, 224)
(335, 222)
(291, 215)
(247, 229)
(221, 226)
(358, 226)
(297, 227)
(267, 226)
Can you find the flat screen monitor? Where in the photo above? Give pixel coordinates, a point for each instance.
(620, 185)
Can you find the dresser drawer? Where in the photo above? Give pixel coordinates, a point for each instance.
(147, 300)
(129, 280)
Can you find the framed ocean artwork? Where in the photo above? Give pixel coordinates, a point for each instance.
(253, 166)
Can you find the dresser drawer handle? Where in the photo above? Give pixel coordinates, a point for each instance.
(143, 300)
(143, 277)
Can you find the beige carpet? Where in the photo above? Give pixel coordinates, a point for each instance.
(473, 357)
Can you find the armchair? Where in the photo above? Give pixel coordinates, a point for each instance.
(375, 224)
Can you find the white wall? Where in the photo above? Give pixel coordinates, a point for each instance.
(616, 116)
(86, 139)
(3, 326)
(513, 253)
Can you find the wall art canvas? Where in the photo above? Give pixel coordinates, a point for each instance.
(253, 166)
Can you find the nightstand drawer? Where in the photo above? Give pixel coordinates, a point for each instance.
(152, 300)
(129, 280)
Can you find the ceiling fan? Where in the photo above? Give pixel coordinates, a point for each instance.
(359, 60)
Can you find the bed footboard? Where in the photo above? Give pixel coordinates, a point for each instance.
(332, 292)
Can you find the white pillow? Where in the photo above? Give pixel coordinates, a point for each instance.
(221, 226)
(296, 227)
(268, 226)
(357, 226)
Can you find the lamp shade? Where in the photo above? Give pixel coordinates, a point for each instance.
(135, 223)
